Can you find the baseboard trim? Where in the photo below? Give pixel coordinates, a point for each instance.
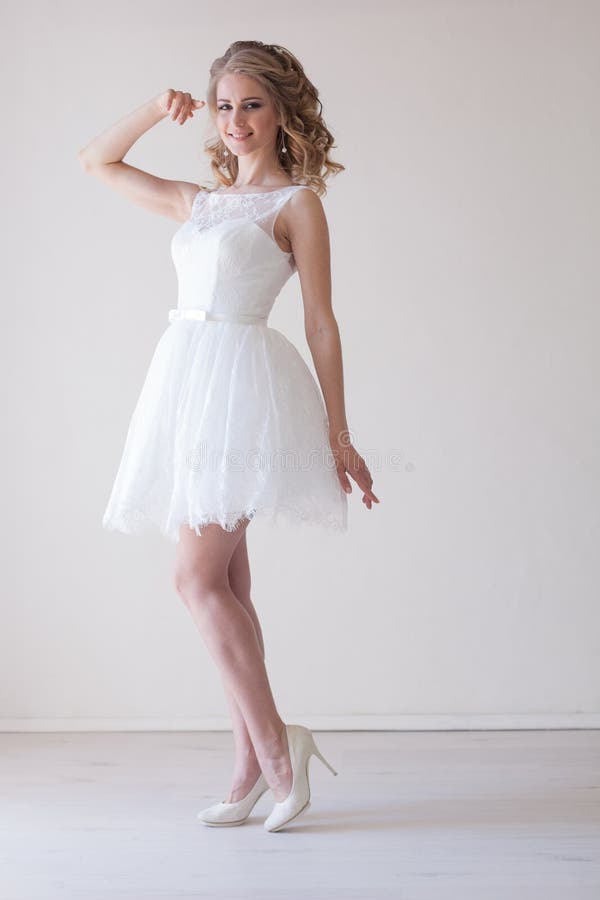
(474, 722)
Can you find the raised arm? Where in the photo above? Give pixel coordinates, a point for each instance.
(305, 227)
(103, 157)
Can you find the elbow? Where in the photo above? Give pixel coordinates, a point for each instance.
(321, 327)
(89, 164)
(311, 332)
(84, 160)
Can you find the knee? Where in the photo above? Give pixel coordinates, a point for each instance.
(194, 585)
(239, 583)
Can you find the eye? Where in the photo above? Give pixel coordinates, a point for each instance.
(248, 106)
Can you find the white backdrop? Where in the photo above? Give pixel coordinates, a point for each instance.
(465, 276)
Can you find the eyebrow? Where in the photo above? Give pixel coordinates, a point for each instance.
(225, 100)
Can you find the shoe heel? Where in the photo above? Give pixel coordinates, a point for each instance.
(317, 752)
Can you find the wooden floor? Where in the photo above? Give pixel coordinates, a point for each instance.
(416, 815)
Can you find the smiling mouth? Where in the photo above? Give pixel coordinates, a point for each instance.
(239, 137)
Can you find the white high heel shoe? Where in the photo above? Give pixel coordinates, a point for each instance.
(301, 745)
(234, 813)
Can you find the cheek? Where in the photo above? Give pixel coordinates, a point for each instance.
(264, 122)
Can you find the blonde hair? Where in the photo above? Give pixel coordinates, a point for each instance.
(296, 99)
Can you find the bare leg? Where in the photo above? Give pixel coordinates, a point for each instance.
(246, 768)
(227, 628)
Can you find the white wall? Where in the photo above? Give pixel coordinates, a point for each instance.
(465, 273)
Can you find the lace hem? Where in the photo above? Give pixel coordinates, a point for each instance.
(135, 522)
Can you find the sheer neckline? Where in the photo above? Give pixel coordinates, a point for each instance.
(223, 193)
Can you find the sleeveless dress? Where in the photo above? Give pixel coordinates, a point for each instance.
(230, 422)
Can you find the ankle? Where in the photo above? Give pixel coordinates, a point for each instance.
(275, 743)
(245, 754)
(245, 765)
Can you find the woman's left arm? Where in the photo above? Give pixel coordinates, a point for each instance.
(305, 226)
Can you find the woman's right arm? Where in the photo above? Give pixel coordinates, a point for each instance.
(103, 157)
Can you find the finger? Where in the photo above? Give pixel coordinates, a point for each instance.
(182, 111)
(344, 480)
(187, 99)
(176, 106)
(369, 493)
(198, 103)
(363, 478)
(358, 468)
(190, 107)
(366, 483)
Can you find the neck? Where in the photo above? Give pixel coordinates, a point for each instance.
(250, 174)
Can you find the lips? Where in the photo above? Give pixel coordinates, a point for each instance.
(240, 136)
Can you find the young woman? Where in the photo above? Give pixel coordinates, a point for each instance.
(223, 384)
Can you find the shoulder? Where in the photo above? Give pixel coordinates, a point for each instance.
(189, 190)
(303, 204)
(303, 209)
(191, 194)
(304, 195)
(302, 218)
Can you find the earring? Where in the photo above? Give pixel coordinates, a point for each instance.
(283, 147)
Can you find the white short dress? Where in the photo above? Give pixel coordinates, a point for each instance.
(230, 422)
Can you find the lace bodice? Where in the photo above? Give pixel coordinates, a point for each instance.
(225, 255)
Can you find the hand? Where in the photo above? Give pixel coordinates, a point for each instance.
(348, 459)
(179, 105)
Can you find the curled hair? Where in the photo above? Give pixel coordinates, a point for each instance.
(299, 110)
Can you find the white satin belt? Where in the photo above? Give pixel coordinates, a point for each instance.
(210, 316)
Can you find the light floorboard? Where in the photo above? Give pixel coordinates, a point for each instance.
(417, 815)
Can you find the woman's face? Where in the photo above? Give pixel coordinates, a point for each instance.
(246, 117)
